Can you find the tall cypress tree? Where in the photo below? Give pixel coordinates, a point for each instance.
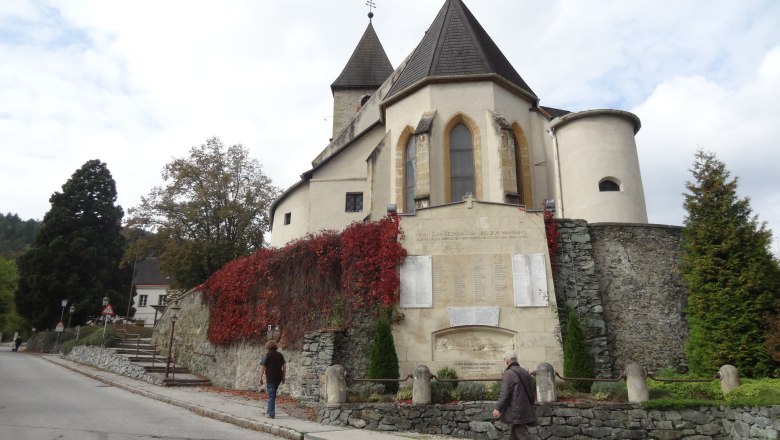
(732, 278)
(76, 254)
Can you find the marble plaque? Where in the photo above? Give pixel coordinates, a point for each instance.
(473, 316)
(417, 282)
(529, 274)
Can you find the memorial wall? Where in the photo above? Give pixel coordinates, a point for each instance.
(476, 284)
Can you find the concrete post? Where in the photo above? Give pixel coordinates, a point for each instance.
(545, 384)
(636, 382)
(421, 389)
(335, 385)
(729, 378)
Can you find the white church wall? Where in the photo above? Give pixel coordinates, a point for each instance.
(594, 145)
(296, 204)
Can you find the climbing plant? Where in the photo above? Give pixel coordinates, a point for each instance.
(310, 283)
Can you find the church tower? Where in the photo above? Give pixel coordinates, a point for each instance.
(366, 70)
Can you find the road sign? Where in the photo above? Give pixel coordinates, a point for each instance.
(60, 327)
(108, 311)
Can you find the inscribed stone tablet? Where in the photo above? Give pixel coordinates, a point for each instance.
(530, 280)
(417, 282)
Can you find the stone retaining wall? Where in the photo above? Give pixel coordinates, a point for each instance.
(107, 359)
(474, 420)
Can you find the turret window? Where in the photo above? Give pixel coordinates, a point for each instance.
(410, 155)
(461, 163)
(608, 185)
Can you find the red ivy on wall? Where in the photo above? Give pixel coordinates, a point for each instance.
(312, 282)
(553, 235)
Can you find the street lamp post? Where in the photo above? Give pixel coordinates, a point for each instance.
(105, 318)
(71, 310)
(57, 330)
(174, 316)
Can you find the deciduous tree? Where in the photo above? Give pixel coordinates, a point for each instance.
(76, 254)
(733, 280)
(213, 208)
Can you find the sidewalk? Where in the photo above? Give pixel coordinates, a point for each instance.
(236, 410)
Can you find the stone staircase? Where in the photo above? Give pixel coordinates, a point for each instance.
(140, 351)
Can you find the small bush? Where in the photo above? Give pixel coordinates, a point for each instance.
(448, 373)
(614, 391)
(471, 391)
(404, 394)
(492, 391)
(441, 392)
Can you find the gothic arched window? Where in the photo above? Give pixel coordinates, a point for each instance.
(461, 163)
(410, 154)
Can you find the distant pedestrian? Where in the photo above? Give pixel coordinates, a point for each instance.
(273, 370)
(515, 404)
(18, 342)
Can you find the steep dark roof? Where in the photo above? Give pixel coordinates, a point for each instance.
(368, 67)
(552, 113)
(147, 272)
(457, 45)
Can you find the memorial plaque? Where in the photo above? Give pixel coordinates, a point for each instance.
(530, 280)
(473, 316)
(416, 282)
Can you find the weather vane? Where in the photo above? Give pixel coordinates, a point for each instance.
(371, 5)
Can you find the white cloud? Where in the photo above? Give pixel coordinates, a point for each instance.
(137, 83)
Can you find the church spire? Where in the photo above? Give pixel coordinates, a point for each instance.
(366, 70)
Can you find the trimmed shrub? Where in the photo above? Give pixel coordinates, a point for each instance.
(383, 363)
(577, 361)
(447, 373)
(471, 391)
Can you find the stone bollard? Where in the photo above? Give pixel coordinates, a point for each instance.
(335, 385)
(421, 389)
(729, 378)
(636, 382)
(545, 383)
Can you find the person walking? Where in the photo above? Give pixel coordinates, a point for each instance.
(18, 342)
(515, 405)
(273, 370)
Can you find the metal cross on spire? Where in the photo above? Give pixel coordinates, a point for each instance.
(371, 5)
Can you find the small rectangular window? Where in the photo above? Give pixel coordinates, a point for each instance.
(142, 300)
(287, 218)
(161, 300)
(354, 202)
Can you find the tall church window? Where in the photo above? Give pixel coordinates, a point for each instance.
(410, 155)
(461, 163)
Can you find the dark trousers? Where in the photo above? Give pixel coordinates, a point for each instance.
(519, 432)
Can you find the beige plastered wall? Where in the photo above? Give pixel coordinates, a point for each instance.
(297, 204)
(600, 145)
(425, 336)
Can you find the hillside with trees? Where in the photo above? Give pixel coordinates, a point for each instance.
(16, 235)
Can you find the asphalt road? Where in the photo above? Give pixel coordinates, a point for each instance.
(42, 401)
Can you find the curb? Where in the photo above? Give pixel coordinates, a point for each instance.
(277, 430)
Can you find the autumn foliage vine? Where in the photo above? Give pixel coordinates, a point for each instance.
(320, 280)
(553, 235)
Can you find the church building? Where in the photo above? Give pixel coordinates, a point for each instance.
(458, 144)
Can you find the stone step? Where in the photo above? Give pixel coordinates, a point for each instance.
(136, 351)
(182, 380)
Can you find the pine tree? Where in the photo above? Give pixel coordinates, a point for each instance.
(577, 361)
(383, 363)
(76, 254)
(732, 278)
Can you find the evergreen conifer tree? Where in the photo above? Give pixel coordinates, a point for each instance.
(732, 279)
(577, 361)
(76, 254)
(383, 362)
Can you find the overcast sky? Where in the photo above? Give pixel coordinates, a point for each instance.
(137, 83)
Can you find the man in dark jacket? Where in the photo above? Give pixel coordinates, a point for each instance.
(274, 370)
(515, 404)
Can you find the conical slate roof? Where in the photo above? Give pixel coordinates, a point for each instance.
(457, 45)
(368, 67)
